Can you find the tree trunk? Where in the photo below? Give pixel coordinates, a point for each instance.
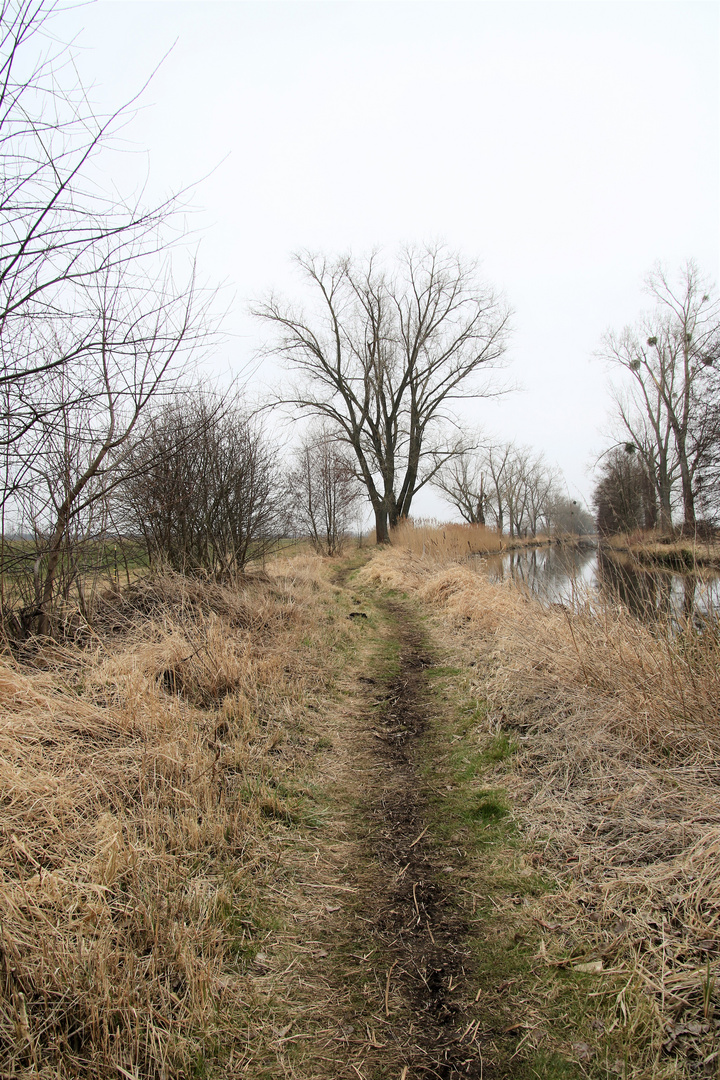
(49, 583)
(687, 495)
(665, 512)
(480, 517)
(382, 533)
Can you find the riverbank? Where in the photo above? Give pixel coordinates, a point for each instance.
(665, 552)
(607, 747)
(372, 817)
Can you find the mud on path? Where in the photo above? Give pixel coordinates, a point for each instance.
(419, 930)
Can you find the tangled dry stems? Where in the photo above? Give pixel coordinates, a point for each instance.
(616, 784)
(134, 774)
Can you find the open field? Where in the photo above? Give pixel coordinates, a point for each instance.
(373, 817)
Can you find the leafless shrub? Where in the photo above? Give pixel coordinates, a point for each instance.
(203, 488)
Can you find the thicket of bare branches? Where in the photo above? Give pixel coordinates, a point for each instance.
(95, 317)
(203, 487)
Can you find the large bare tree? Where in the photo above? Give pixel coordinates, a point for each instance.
(383, 355)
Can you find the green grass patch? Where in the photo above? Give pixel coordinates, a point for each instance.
(499, 748)
(487, 806)
(442, 672)
(462, 763)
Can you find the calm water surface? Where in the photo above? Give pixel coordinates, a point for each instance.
(563, 575)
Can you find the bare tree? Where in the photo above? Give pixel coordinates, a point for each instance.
(74, 456)
(525, 484)
(384, 355)
(543, 483)
(667, 356)
(499, 464)
(324, 489)
(463, 481)
(624, 497)
(500, 481)
(516, 476)
(706, 435)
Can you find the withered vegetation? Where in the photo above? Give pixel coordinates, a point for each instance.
(613, 779)
(141, 768)
(396, 823)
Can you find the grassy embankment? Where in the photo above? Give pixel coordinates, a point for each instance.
(144, 769)
(588, 758)
(181, 827)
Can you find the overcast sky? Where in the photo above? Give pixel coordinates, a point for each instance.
(569, 146)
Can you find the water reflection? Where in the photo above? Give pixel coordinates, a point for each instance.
(560, 574)
(554, 573)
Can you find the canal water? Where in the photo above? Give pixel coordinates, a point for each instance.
(569, 575)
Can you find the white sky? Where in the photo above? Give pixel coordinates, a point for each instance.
(568, 145)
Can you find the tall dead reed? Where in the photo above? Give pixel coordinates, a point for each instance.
(433, 540)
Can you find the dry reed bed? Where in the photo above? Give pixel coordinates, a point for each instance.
(617, 786)
(649, 549)
(432, 540)
(135, 777)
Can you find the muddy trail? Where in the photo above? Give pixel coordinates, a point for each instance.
(408, 889)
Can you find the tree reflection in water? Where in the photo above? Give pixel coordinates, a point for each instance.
(565, 575)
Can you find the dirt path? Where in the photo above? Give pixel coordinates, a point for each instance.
(380, 986)
(417, 925)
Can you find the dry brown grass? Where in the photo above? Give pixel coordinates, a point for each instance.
(433, 540)
(136, 777)
(616, 784)
(651, 548)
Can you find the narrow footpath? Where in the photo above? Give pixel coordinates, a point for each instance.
(382, 983)
(418, 928)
